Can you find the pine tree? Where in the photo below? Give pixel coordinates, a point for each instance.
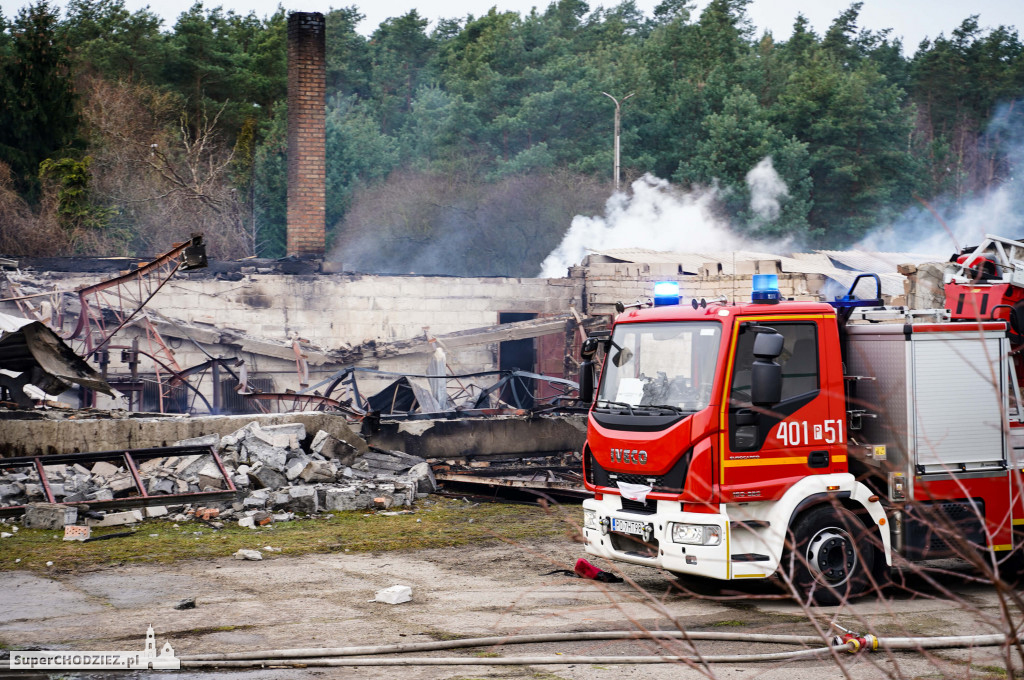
(38, 117)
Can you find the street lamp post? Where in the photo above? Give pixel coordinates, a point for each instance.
(618, 109)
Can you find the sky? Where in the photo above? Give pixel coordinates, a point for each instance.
(913, 20)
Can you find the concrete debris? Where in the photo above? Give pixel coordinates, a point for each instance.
(332, 474)
(211, 440)
(116, 519)
(277, 471)
(244, 554)
(108, 481)
(49, 516)
(394, 595)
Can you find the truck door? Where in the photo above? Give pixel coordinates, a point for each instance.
(765, 450)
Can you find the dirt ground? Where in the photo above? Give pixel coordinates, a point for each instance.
(495, 589)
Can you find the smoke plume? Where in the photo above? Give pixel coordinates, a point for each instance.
(956, 223)
(766, 188)
(660, 216)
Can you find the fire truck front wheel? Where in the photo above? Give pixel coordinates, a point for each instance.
(829, 558)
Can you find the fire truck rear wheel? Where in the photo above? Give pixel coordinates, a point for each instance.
(831, 557)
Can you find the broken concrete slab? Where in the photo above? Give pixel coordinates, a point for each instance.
(385, 462)
(317, 471)
(293, 434)
(303, 499)
(256, 499)
(394, 595)
(104, 469)
(116, 519)
(212, 440)
(332, 448)
(265, 477)
(244, 554)
(100, 495)
(210, 477)
(423, 476)
(49, 516)
(295, 466)
(257, 450)
(347, 498)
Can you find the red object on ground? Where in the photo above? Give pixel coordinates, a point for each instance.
(585, 569)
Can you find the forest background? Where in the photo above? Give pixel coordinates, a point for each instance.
(480, 139)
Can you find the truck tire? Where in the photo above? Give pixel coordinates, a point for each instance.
(830, 557)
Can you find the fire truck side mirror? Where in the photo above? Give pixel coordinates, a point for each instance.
(766, 374)
(765, 383)
(768, 345)
(587, 380)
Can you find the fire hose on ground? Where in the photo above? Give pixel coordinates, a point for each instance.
(341, 656)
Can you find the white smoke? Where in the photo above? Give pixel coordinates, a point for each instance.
(766, 188)
(657, 216)
(919, 231)
(949, 224)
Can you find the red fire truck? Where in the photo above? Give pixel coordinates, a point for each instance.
(817, 441)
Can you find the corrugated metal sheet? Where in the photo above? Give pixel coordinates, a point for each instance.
(842, 266)
(878, 263)
(692, 262)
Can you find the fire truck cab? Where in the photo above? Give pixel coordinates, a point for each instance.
(813, 441)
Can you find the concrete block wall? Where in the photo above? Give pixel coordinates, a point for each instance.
(337, 311)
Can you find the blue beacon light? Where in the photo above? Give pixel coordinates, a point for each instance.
(666, 293)
(766, 289)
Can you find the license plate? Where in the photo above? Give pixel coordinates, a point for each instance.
(628, 526)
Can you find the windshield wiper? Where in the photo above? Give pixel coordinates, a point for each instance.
(629, 407)
(670, 407)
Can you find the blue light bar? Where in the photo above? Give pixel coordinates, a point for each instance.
(766, 289)
(666, 293)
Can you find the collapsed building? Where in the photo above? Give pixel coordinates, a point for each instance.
(258, 336)
(476, 375)
(292, 335)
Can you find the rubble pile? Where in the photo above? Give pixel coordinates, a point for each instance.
(97, 481)
(271, 468)
(20, 486)
(277, 473)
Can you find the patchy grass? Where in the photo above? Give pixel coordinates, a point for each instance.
(436, 523)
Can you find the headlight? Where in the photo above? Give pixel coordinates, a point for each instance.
(590, 519)
(696, 534)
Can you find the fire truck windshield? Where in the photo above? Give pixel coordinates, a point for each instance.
(667, 364)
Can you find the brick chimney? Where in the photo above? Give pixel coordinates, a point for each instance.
(306, 137)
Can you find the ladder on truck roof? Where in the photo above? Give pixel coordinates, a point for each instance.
(1005, 256)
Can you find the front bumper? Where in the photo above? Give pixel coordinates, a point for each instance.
(712, 561)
